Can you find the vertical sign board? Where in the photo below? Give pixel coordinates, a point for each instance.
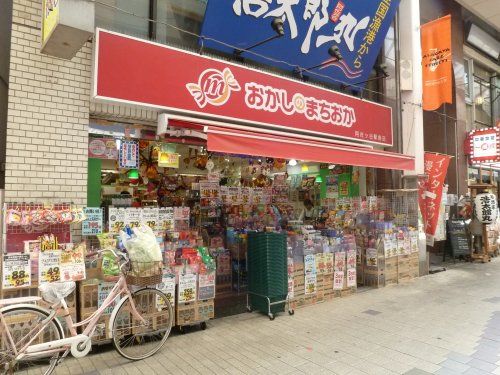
(129, 154)
(357, 27)
(50, 18)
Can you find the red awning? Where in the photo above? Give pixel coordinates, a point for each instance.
(259, 144)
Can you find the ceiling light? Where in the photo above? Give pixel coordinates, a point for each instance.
(292, 162)
(331, 166)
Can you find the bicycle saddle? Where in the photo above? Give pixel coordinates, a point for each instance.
(55, 292)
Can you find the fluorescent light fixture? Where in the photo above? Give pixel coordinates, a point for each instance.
(483, 41)
(292, 162)
(331, 166)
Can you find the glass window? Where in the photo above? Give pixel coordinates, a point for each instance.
(126, 16)
(468, 80)
(482, 101)
(165, 21)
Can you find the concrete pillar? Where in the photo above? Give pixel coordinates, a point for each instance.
(411, 82)
(411, 97)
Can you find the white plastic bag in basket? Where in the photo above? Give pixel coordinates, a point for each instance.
(142, 248)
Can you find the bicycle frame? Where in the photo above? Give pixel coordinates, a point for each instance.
(45, 349)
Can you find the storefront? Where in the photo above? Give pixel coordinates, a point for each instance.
(235, 151)
(483, 150)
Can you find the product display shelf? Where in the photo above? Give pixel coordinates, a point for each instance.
(267, 273)
(193, 313)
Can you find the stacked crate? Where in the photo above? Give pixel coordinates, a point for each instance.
(374, 268)
(391, 270)
(89, 303)
(403, 268)
(414, 266)
(267, 270)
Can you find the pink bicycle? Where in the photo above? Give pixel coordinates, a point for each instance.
(32, 338)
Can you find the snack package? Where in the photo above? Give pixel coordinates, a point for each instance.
(13, 217)
(109, 266)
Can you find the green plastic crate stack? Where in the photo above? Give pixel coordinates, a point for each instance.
(267, 270)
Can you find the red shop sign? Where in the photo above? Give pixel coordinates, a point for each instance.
(134, 71)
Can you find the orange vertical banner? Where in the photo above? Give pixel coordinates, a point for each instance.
(436, 63)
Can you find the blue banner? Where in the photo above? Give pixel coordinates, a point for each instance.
(356, 27)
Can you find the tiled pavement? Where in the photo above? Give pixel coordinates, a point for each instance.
(447, 323)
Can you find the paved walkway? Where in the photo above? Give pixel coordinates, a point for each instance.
(447, 323)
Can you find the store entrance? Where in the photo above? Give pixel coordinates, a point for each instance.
(226, 196)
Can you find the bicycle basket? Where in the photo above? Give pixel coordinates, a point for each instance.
(144, 273)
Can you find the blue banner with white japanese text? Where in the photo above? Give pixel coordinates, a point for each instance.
(357, 27)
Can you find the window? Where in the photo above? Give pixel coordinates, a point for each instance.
(468, 80)
(159, 20)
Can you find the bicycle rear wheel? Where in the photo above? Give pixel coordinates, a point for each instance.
(20, 321)
(135, 340)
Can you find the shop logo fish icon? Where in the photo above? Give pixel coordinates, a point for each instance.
(214, 87)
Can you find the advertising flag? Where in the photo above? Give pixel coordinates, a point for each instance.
(436, 167)
(436, 63)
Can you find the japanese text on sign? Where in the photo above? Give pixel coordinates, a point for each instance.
(92, 225)
(16, 271)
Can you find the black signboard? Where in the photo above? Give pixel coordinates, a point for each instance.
(458, 238)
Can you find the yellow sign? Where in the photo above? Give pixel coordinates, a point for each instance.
(50, 18)
(168, 160)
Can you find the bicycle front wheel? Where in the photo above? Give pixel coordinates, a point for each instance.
(20, 320)
(136, 340)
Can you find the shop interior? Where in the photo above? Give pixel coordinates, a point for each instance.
(322, 207)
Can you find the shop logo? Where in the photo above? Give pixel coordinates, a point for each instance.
(214, 87)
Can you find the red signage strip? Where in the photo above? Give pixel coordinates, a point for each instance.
(252, 143)
(134, 71)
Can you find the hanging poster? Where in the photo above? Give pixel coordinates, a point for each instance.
(371, 257)
(149, 217)
(351, 277)
(103, 148)
(338, 280)
(168, 160)
(414, 241)
(209, 190)
(181, 213)
(340, 259)
(206, 286)
(320, 264)
(129, 154)
(16, 271)
(351, 259)
(165, 219)
(246, 195)
(92, 225)
(187, 288)
(311, 283)
(133, 217)
(103, 290)
(167, 286)
(258, 196)
(309, 264)
(49, 263)
(116, 220)
(234, 195)
(73, 263)
(328, 263)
